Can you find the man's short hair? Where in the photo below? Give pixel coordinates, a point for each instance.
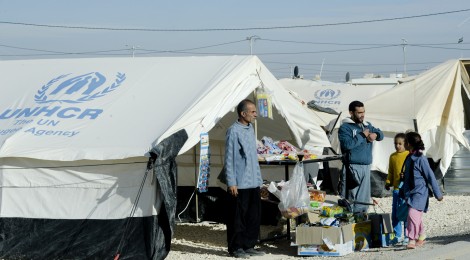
(354, 104)
(242, 106)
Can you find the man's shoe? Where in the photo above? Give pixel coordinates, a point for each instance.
(239, 253)
(254, 252)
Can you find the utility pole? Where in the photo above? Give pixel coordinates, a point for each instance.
(133, 48)
(252, 39)
(404, 42)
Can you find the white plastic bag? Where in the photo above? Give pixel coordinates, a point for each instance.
(295, 198)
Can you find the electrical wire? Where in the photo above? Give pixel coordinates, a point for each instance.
(60, 52)
(354, 44)
(327, 51)
(187, 205)
(355, 65)
(198, 48)
(436, 47)
(145, 51)
(318, 43)
(231, 29)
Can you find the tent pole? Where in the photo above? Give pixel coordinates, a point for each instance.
(196, 177)
(415, 123)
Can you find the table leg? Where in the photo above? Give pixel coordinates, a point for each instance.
(286, 172)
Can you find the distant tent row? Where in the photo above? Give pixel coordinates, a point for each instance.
(436, 102)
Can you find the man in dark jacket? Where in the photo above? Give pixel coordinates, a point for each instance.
(356, 137)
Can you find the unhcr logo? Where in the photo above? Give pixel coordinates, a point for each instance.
(77, 89)
(327, 94)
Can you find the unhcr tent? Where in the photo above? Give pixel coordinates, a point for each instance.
(436, 101)
(88, 147)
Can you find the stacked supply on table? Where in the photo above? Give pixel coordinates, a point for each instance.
(269, 150)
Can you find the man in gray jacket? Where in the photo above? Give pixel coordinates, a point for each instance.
(243, 178)
(356, 137)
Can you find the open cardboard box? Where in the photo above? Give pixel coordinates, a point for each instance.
(310, 239)
(315, 235)
(315, 250)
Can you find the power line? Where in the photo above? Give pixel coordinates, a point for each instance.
(102, 52)
(346, 44)
(230, 29)
(186, 51)
(436, 47)
(354, 65)
(328, 51)
(59, 52)
(278, 53)
(191, 49)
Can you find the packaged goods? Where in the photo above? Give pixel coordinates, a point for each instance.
(331, 211)
(294, 212)
(316, 195)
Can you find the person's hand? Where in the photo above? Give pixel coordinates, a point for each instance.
(366, 132)
(375, 202)
(372, 137)
(440, 199)
(233, 190)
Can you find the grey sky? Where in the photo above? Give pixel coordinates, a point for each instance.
(340, 54)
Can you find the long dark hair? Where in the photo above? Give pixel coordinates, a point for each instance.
(414, 139)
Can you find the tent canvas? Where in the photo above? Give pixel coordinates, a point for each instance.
(437, 100)
(74, 140)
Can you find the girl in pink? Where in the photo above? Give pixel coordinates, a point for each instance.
(417, 175)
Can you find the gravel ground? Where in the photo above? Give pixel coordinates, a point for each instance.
(446, 222)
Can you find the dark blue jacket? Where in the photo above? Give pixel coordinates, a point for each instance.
(354, 145)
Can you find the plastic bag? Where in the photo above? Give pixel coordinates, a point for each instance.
(295, 199)
(263, 99)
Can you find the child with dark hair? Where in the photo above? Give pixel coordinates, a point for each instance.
(417, 175)
(395, 166)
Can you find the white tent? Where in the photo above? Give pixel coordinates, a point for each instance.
(436, 99)
(74, 135)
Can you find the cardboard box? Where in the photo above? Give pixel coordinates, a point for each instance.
(316, 250)
(381, 229)
(315, 235)
(381, 223)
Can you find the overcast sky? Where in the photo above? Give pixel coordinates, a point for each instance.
(333, 32)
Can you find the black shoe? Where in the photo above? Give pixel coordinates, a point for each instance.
(239, 253)
(254, 252)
